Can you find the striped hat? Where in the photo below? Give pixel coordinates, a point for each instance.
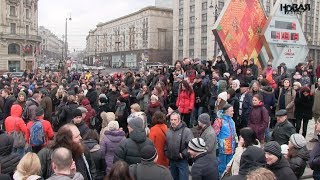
(197, 145)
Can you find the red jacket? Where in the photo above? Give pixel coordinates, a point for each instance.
(158, 137)
(16, 112)
(185, 102)
(47, 129)
(91, 112)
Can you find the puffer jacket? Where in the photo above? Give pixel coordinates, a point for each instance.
(205, 167)
(180, 135)
(8, 160)
(110, 142)
(158, 137)
(298, 161)
(259, 120)
(97, 157)
(91, 112)
(129, 149)
(282, 170)
(15, 118)
(185, 102)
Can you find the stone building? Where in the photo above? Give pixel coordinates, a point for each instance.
(132, 40)
(19, 40)
(51, 46)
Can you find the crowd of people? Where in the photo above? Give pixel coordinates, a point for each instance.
(225, 121)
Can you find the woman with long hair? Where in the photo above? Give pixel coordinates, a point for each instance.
(185, 101)
(119, 171)
(28, 168)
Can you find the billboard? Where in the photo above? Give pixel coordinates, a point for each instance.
(238, 29)
(284, 36)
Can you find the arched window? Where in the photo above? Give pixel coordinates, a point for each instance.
(14, 48)
(28, 50)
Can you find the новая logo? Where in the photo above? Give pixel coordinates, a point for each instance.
(294, 8)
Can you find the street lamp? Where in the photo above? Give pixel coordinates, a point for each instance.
(215, 19)
(66, 38)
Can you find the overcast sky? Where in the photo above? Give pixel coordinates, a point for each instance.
(85, 16)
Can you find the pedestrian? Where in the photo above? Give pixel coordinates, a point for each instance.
(148, 168)
(245, 105)
(8, 102)
(316, 110)
(298, 154)
(154, 106)
(208, 134)
(205, 166)
(78, 121)
(314, 160)
(277, 163)
(158, 137)
(28, 168)
(31, 105)
(283, 129)
(185, 102)
(46, 104)
(177, 138)
(120, 170)
(90, 111)
(106, 117)
(286, 98)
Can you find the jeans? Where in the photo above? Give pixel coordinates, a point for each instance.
(224, 159)
(305, 121)
(195, 114)
(186, 119)
(179, 169)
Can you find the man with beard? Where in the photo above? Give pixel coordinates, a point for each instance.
(68, 137)
(207, 133)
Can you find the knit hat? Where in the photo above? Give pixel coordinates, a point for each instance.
(204, 118)
(136, 123)
(223, 96)
(113, 126)
(284, 149)
(154, 97)
(39, 111)
(173, 106)
(298, 140)
(197, 145)
(274, 148)
(23, 94)
(77, 112)
(226, 107)
(252, 157)
(148, 153)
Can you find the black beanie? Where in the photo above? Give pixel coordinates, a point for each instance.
(148, 153)
(39, 111)
(77, 112)
(274, 148)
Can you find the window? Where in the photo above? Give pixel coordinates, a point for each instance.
(204, 53)
(27, 30)
(181, 11)
(14, 49)
(204, 5)
(192, 19)
(13, 28)
(180, 32)
(180, 42)
(12, 11)
(191, 41)
(191, 52)
(192, 8)
(181, 2)
(191, 31)
(27, 13)
(180, 53)
(204, 40)
(220, 5)
(204, 29)
(204, 17)
(191, 1)
(180, 22)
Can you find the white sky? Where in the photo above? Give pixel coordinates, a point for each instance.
(86, 14)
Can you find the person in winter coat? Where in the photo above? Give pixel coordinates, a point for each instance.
(154, 106)
(245, 105)
(143, 97)
(8, 102)
(122, 113)
(269, 100)
(92, 95)
(252, 158)
(106, 119)
(277, 163)
(233, 100)
(148, 168)
(316, 110)
(303, 109)
(247, 139)
(254, 68)
(207, 133)
(220, 103)
(205, 166)
(16, 123)
(286, 99)
(177, 138)
(32, 104)
(130, 149)
(8, 159)
(185, 101)
(110, 141)
(112, 96)
(91, 141)
(314, 160)
(63, 165)
(90, 111)
(68, 137)
(201, 93)
(226, 135)
(66, 111)
(21, 99)
(78, 121)
(28, 168)
(220, 65)
(258, 118)
(283, 129)
(46, 104)
(298, 154)
(158, 137)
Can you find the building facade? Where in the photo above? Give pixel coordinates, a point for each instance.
(51, 46)
(132, 40)
(19, 39)
(164, 3)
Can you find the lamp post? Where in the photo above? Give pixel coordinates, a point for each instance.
(66, 38)
(215, 19)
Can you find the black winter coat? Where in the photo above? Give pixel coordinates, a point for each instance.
(298, 161)
(201, 93)
(112, 98)
(282, 132)
(66, 114)
(92, 96)
(303, 105)
(83, 128)
(282, 170)
(7, 106)
(8, 160)
(221, 66)
(130, 149)
(314, 160)
(205, 167)
(97, 157)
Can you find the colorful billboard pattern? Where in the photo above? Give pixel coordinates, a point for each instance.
(238, 29)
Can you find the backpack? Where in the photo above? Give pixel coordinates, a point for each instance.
(37, 137)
